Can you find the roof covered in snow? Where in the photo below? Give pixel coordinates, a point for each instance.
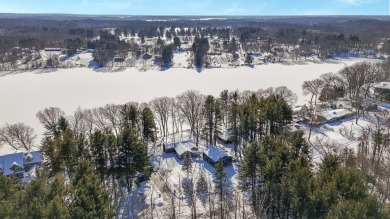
(183, 146)
(18, 159)
(337, 113)
(215, 153)
(170, 146)
(382, 85)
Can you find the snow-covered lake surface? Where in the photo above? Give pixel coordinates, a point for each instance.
(23, 94)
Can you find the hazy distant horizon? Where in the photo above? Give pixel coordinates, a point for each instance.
(200, 8)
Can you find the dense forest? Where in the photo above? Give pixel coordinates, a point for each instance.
(95, 155)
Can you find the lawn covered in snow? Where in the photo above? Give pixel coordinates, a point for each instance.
(23, 94)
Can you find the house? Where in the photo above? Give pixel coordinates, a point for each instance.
(182, 148)
(382, 90)
(333, 116)
(213, 154)
(20, 165)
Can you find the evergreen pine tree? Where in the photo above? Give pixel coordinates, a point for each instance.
(89, 197)
(201, 184)
(248, 59)
(187, 163)
(176, 42)
(99, 156)
(220, 183)
(58, 208)
(209, 109)
(8, 193)
(148, 125)
(132, 157)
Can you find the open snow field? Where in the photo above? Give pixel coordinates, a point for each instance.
(23, 94)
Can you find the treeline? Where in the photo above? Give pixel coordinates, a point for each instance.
(278, 174)
(93, 156)
(56, 196)
(277, 36)
(105, 149)
(247, 116)
(354, 83)
(86, 164)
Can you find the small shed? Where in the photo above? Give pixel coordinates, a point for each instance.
(213, 154)
(169, 148)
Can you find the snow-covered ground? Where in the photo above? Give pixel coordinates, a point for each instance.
(23, 94)
(169, 172)
(333, 137)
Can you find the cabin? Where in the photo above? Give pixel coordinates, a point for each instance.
(213, 154)
(20, 165)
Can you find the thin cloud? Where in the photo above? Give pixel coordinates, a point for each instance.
(356, 2)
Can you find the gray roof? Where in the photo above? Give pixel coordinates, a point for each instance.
(215, 153)
(7, 161)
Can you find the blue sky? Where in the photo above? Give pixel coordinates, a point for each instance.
(199, 7)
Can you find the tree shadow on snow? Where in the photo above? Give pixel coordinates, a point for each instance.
(45, 70)
(165, 68)
(298, 62)
(109, 69)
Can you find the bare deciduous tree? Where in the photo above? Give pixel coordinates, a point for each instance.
(191, 106)
(49, 117)
(312, 87)
(19, 136)
(161, 109)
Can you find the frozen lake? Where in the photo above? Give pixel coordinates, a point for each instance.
(23, 94)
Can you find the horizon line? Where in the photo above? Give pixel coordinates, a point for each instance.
(217, 16)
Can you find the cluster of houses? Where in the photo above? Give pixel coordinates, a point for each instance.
(380, 92)
(211, 154)
(20, 165)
